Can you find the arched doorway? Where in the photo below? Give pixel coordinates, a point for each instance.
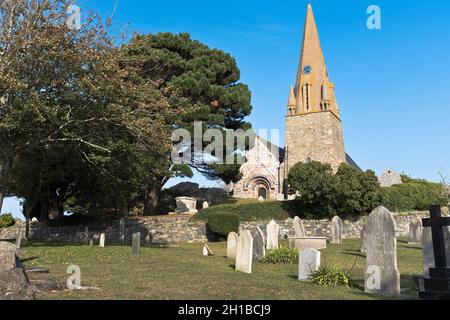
(262, 192)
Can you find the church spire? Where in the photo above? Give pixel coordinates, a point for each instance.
(312, 76)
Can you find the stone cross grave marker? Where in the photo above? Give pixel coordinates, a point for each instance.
(259, 247)
(382, 254)
(136, 243)
(122, 230)
(231, 245)
(309, 262)
(337, 227)
(415, 231)
(102, 240)
(272, 231)
(244, 252)
(299, 228)
(437, 285)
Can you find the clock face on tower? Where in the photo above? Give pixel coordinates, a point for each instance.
(307, 69)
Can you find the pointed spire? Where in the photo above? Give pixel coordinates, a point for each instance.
(292, 102)
(312, 70)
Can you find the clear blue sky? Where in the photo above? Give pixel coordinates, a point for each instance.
(392, 84)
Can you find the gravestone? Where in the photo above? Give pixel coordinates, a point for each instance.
(186, 205)
(382, 253)
(436, 286)
(205, 205)
(260, 199)
(309, 262)
(272, 231)
(19, 237)
(299, 228)
(428, 251)
(122, 230)
(415, 231)
(136, 243)
(244, 252)
(205, 251)
(337, 227)
(86, 235)
(102, 240)
(363, 239)
(259, 248)
(231, 245)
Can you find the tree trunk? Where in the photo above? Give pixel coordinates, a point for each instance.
(151, 200)
(4, 172)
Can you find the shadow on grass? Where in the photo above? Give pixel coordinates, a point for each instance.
(58, 244)
(354, 253)
(28, 259)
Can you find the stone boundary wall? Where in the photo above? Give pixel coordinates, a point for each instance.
(321, 228)
(154, 230)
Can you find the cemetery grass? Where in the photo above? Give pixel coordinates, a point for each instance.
(181, 272)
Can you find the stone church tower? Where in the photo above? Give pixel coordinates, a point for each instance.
(313, 124)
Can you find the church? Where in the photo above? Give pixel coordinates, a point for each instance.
(313, 129)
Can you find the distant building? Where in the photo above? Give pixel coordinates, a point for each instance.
(389, 178)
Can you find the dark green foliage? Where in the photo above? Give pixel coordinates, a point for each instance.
(282, 256)
(332, 276)
(6, 220)
(414, 195)
(221, 224)
(317, 186)
(357, 192)
(349, 192)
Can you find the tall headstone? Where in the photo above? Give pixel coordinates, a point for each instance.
(415, 231)
(244, 252)
(231, 245)
(299, 228)
(363, 238)
(122, 230)
(309, 262)
(136, 243)
(86, 235)
(272, 231)
(259, 248)
(102, 240)
(337, 227)
(382, 254)
(19, 237)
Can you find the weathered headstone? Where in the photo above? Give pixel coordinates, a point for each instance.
(299, 228)
(102, 240)
(259, 248)
(231, 245)
(337, 227)
(436, 285)
(136, 243)
(205, 251)
(260, 199)
(244, 252)
(309, 262)
(364, 238)
(86, 235)
(382, 253)
(272, 231)
(415, 231)
(428, 251)
(122, 230)
(19, 237)
(205, 205)
(186, 205)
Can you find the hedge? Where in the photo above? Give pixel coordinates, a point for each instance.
(6, 220)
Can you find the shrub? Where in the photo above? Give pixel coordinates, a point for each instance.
(281, 256)
(332, 276)
(413, 195)
(222, 224)
(6, 220)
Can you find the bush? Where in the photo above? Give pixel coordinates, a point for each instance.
(332, 276)
(222, 224)
(6, 220)
(323, 194)
(282, 256)
(413, 195)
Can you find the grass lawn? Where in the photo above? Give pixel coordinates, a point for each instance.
(181, 272)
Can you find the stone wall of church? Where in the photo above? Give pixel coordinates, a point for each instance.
(261, 170)
(315, 136)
